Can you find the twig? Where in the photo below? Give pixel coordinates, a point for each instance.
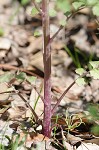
(74, 13)
(10, 67)
(61, 97)
(52, 38)
(37, 7)
(61, 27)
(7, 92)
(28, 105)
(65, 92)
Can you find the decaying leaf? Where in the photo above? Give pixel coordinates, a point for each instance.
(4, 88)
(88, 146)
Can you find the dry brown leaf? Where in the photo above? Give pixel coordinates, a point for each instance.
(73, 139)
(16, 112)
(88, 146)
(3, 88)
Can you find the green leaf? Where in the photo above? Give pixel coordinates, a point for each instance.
(80, 71)
(31, 79)
(94, 64)
(91, 2)
(21, 143)
(52, 13)
(63, 5)
(62, 22)
(67, 13)
(15, 144)
(21, 76)
(95, 130)
(94, 111)
(80, 81)
(24, 2)
(95, 9)
(34, 11)
(37, 33)
(95, 73)
(6, 77)
(77, 5)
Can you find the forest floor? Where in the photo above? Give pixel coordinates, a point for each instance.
(21, 58)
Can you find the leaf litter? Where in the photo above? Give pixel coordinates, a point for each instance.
(22, 50)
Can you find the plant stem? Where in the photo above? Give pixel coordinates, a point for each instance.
(65, 92)
(61, 27)
(37, 7)
(52, 38)
(10, 67)
(61, 97)
(47, 68)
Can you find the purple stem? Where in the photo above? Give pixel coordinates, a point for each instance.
(52, 38)
(47, 68)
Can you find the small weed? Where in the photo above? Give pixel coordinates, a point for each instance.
(14, 143)
(72, 121)
(77, 55)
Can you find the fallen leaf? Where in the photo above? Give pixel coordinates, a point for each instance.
(5, 43)
(3, 88)
(88, 146)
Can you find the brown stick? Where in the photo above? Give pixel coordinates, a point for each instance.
(28, 105)
(10, 67)
(26, 102)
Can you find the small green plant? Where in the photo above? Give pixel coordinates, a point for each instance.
(55, 128)
(74, 57)
(10, 141)
(93, 116)
(14, 143)
(77, 55)
(92, 73)
(71, 122)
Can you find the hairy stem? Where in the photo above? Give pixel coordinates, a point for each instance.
(47, 68)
